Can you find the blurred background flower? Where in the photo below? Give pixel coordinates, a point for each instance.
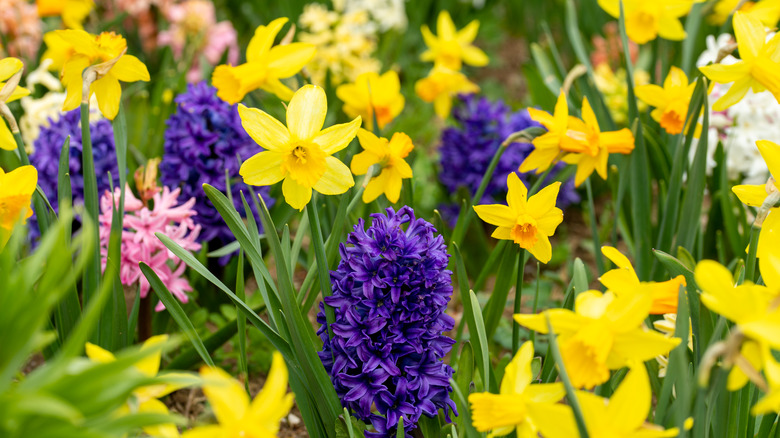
(20, 28)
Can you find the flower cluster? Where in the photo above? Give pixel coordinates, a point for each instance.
(468, 147)
(21, 29)
(139, 243)
(204, 141)
(387, 14)
(390, 293)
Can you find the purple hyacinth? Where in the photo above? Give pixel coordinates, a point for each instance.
(203, 141)
(390, 293)
(47, 155)
(467, 149)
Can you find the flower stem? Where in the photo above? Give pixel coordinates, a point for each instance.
(91, 281)
(322, 262)
(594, 228)
(522, 258)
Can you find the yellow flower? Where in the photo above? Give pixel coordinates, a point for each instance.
(614, 89)
(589, 147)
(623, 280)
(264, 67)
(301, 152)
(371, 95)
(87, 50)
(547, 146)
(146, 397)
(621, 416)
(73, 12)
(440, 85)
(770, 404)
(9, 93)
(768, 11)
(670, 101)
(452, 47)
(758, 69)
(605, 332)
(646, 20)
(237, 417)
(502, 413)
(390, 158)
(527, 221)
(16, 190)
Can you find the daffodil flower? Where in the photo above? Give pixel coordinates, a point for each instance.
(265, 66)
(145, 399)
(547, 146)
(623, 280)
(670, 101)
(621, 416)
(605, 332)
(16, 190)
(373, 96)
(502, 413)
(73, 12)
(452, 47)
(589, 147)
(237, 417)
(301, 152)
(759, 68)
(646, 20)
(529, 222)
(10, 69)
(770, 403)
(441, 84)
(768, 11)
(389, 155)
(105, 53)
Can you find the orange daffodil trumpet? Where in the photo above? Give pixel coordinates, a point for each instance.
(389, 155)
(529, 222)
(605, 332)
(265, 65)
(301, 152)
(646, 20)
(16, 190)
(94, 65)
(670, 101)
(452, 47)
(10, 74)
(507, 411)
(759, 68)
(372, 96)
(439, 87)
(236, 415)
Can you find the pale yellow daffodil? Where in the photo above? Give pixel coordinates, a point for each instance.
(389, 155)
(452, 47)
(647, 20)
(300, 153)
(10, 91)
(440, 86)
(265, 65)
(372, 96)
(237, 417)
(670, 101)
(507, 411)
(529, 222)
(759, 68)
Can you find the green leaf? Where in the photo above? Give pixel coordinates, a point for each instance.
(497, 301)
(69, 308)
(479, 338)
(580, 277)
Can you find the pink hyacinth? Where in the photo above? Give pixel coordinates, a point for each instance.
(139, 243)
(193, 22)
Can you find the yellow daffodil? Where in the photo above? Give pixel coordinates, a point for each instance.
(547, 146)
(106, 52)
(670, 101)
(389, 155)
(237, 417)
(265, 66)
(73, 12)
(768, 11)
(10, 69)
(614, 89)
(527, 221)
(301, 152)
(452, 47)
(589, 147)
(605, 332)
(502, 413)
(146, 397)
(754, 196)
(621, 416)
(646, 20)
(623, 280)
(770, 403)
(373, 96)
(16, 190)
(759, 68)
(441, 85)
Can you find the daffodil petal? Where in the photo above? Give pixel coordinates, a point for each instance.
(337, 137)
(337, 178)
(109, 94)
(130, 69)
(285, 61)
(263, 39)
(268, 132)
(496, 214)
(306, 112)
(296, 195)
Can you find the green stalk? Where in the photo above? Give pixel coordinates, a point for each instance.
(594, 229)
(92, 270)
(522, 258)
(322, 266)
(571, 395)
(750, 263)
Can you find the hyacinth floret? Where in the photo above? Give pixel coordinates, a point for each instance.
(390, 292)
(203, 141)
